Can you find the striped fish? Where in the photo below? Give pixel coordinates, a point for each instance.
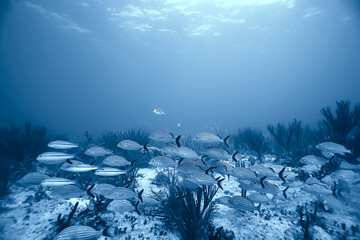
(80, 232)
(56, 181)
(328, 155)
(34, 178)
(243, 204)
(63, 145)
(52, 158)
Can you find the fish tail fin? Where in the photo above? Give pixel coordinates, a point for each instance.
(262, 181)
(219, 183)
(145, 147)
(226, 141)
(140, 195)
(105, 232)
(137, 208)
(281, 175)
(133, 163)
(259, 208)
(233, 156)
(284, 191)
(179, 162)
(177, 140)
(209, 169)
(88, 191)
(68, 161)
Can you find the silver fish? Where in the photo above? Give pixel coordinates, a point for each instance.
(67, 192)
(63, 145)
(163, 161)
(224, 200)
(116, 161)
(164, 136)
(170, 150)
(33, 178)
(185, 152)
(130, 145)
(77, 166)
(310, 168)
(259, 198)
(221, 167)
(244, 174)
(189, 168)
(102, 188)
(201, 179)
(263, 171)
(330, 203)
(217, 153)
(312, 159)
(344, 165)
(52, 158)
(333, 148)
(80, 232)
(122, 193)
(97, 151)
(195, 162)
(243, 204)
(56, 181)
(120, 206)
(109, 172)
(207, 137)
(316, 189)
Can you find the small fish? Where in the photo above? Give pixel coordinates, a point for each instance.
(310, 168)
(77, 166)
(131, 145)
(316, 189)
(188, 184)
(224, 200)
(259, 198)
(312, 159)
(195, 162)
(110, 172)
(33, 178)
(67, 192)
(218, 153)
(189, 169)
(56, 181)
(163, 161)
(158, 111)
(120, 206)
(243, 204)
(263, 171)
(333, 148)
(346, 175)
(170, 150)
(80, 232)
(164, 136)
(244, 174)
(52, 158)
(116, 161)
(185, 152)
(210, 138)
(122, 193)
(102, 188)
(97, 151)
(63, 145)
(330, 203)
(344, 165)
(201, 179)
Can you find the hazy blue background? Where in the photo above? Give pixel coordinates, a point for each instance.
(98, 65)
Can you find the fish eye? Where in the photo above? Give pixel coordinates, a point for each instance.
(304, 159)
(197, 136)
(152, 134)
(153, 160)
(108, 193)
(177, 149)
(190, 176)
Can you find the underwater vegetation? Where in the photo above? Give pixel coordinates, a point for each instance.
(135, 184)
(19, 146)
(252, 139)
